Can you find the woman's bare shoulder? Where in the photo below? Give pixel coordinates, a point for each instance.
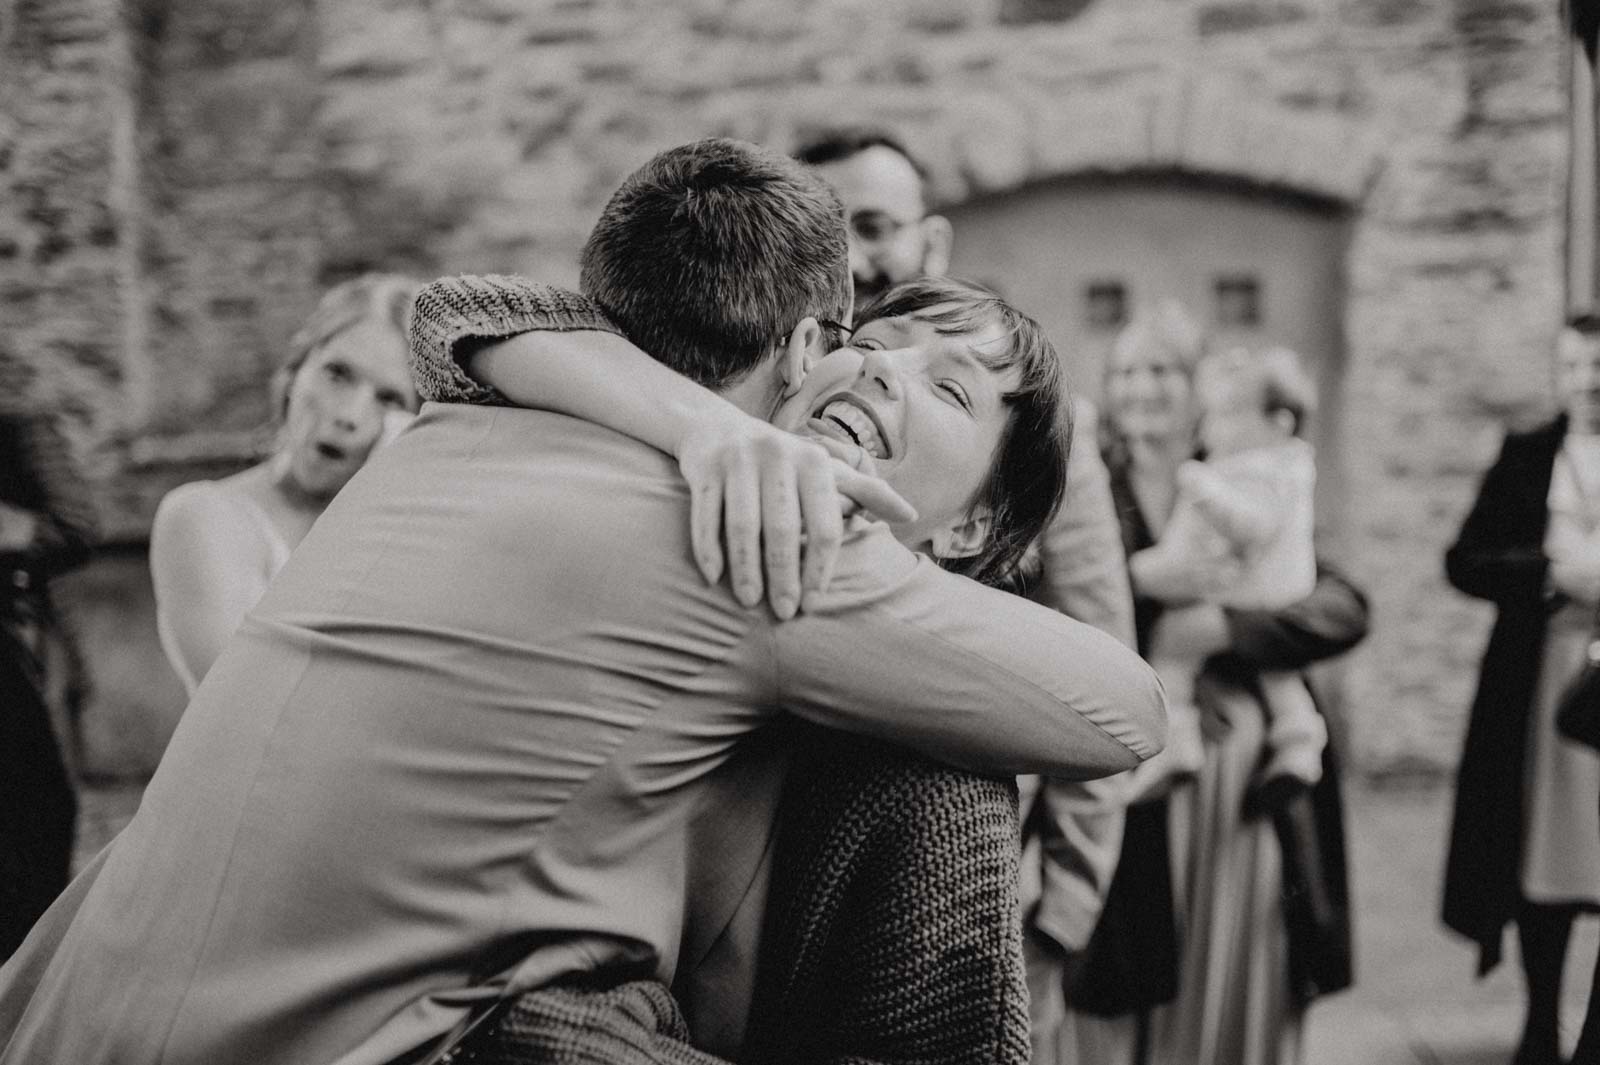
(210, 513)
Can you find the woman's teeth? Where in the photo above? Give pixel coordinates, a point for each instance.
(854, 421)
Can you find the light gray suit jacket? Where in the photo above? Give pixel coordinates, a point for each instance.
(456, 750)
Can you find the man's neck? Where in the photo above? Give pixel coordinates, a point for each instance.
(757, 393)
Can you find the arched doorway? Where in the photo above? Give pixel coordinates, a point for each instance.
(1082, 254)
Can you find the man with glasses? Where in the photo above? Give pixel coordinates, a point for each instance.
(892, 236)
(1074, 828)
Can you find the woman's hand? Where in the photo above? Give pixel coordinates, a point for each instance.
(768, 491)
(394, 423)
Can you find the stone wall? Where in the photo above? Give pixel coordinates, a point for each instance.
(181, 175)
(65, 122)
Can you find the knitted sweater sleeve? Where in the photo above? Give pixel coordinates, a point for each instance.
(454, 316)
(633, 1023)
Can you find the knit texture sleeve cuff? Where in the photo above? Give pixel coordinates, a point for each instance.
(455, 315)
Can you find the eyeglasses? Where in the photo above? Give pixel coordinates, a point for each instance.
(834, 335)
(876, 227)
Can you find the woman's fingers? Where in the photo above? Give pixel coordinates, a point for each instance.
(852, 455)
(770, 507)
(705, 526)
(824, 526)
(872, 493)
(742, 523)
(860, 487)
(780, 535)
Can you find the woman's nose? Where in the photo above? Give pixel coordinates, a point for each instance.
(879, 367)
(359, 411)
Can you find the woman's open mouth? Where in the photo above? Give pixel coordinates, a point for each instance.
(332, 452)
(846, 420)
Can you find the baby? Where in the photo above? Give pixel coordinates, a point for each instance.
(1250, 502)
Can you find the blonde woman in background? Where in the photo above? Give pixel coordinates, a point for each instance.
(216, 545)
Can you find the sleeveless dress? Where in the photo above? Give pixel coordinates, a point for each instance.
(1561, 824)
(265, 549)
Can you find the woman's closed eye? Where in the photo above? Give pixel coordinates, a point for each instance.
(337, 371)
(959, 394)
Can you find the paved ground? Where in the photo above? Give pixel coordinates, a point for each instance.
(1415, 1001)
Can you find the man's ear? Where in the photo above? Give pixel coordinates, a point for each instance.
(806, 344)
(964, 539)
(938, 238)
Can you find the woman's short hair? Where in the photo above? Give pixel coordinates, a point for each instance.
(1028, 476)
(382, 298)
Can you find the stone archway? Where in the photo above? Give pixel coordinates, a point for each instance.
(1191, 121)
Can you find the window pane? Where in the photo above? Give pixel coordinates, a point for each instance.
(1105, 304)
(1238, 300)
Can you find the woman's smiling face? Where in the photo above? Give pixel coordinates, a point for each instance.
(922, 403)
(1149, 390)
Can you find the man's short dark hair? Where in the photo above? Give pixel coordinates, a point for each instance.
(841, 142)
(1028, 476)
(710, 253)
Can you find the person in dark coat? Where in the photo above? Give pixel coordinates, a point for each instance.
(44, 530)
(1525, 836)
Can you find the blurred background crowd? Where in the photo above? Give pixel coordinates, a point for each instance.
(214, 214)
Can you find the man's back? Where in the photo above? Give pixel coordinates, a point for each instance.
(391, 744)
(454, 750)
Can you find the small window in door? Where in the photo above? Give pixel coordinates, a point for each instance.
(1238, 300)
(1105, 304)
(1020, 11)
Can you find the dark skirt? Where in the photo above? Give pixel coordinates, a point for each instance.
(38, 810)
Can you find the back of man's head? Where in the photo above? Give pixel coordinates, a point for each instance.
(709, 254)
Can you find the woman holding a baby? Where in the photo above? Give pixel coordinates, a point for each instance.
(1229, 910)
